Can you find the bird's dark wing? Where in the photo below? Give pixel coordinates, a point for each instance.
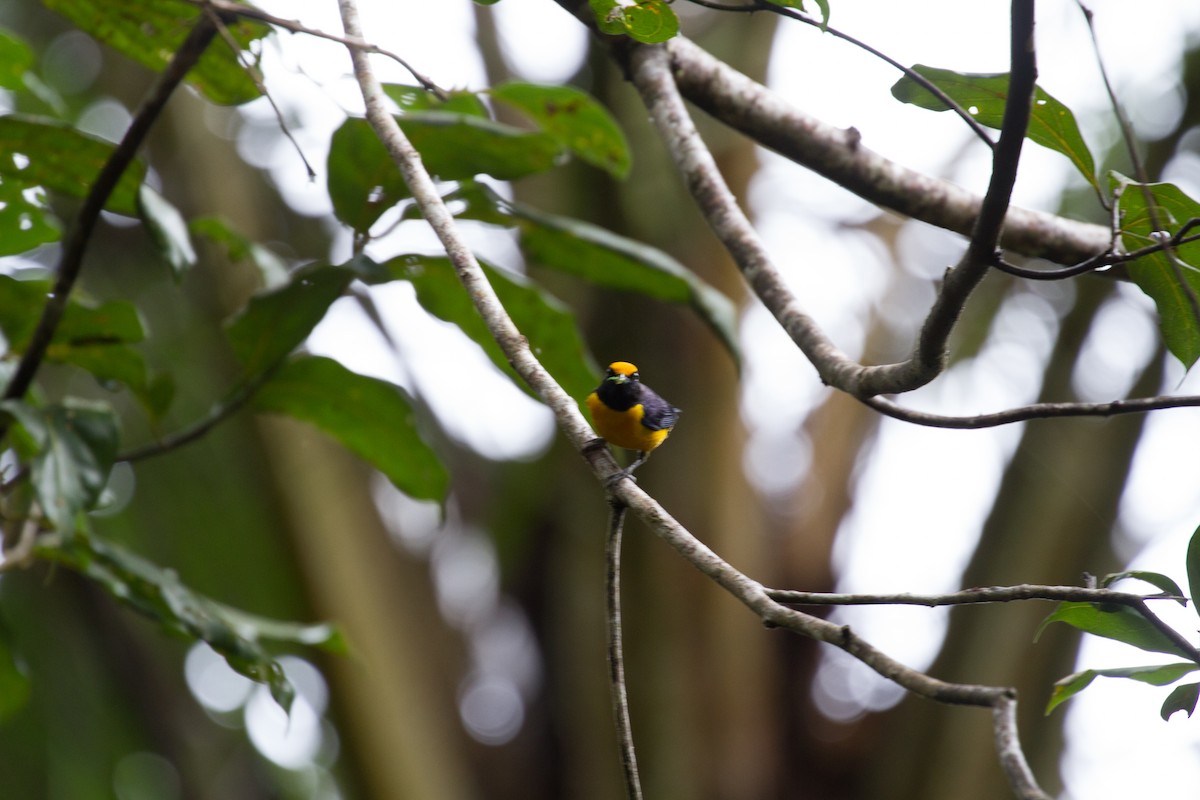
(659, 414)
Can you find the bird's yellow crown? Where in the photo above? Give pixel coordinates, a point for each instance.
(623, 368)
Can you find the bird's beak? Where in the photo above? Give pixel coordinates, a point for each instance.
(618, 378)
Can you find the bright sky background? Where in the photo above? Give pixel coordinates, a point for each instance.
(1113, 726)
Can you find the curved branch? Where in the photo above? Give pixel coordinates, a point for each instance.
(930, 357)
(839, 155)
(570, 421)
(657, 86)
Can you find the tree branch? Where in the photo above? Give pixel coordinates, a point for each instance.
(570, 421)
(930, 357)
(616, 658)
(1134, 405)
(656, 84)
(981, 595)
(839, 155)
(764, 5)
(250, 12)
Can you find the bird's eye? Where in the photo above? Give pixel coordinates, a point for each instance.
(635, 376)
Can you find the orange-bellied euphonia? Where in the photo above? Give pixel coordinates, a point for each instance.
(629, 414)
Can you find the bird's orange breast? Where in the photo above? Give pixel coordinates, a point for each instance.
(624, 428)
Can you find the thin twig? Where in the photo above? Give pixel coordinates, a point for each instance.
(985, 594)
(76, 242)
(256, 76)
(1001, 594)
(1101, 260)
(616, 659)
(227, 407)
(1133, 405)
(249, 12)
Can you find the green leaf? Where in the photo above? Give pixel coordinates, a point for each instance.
(41, 152)
(1162, 582)
(274, 323)
(242, 248)
(1170, 284)
(543, 320)
(415, 98)
(16, 59)
(92, 338)
(649, 21)
(1156, 675)
(799, 4)
(150, 31)
(14, 681)
(604, 259)
(1193, 569)
(574, 119)
(610, 16)
(159, 594)
(363, 181)
(1181, 698)
(372, 418)
(168, 231)
(984, 96)
(25, 221)
(324, 636)
(21, 305)
(1119, 623)
(76, 443)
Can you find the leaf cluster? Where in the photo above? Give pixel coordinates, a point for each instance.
(1141, 628)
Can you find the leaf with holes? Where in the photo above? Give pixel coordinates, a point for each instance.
(984, 96)
(41, 152)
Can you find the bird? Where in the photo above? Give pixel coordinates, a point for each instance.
(629, 414)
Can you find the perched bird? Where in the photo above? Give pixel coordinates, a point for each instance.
(629, 414)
